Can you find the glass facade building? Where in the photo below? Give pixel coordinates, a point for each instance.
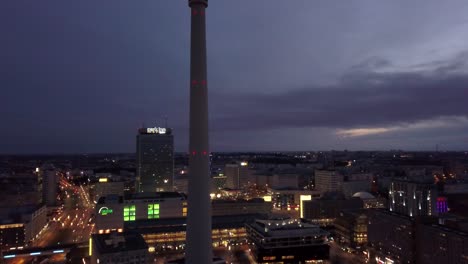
(155, 160)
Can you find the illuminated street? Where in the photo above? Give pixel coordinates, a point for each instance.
(72, 224)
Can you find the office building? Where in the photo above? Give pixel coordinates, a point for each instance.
(119, 248)
(440, 244)
(351, 228)
(12, 235)
(328, 181)
(50, 181)
(287, 241)
(155, 159)
(240, 207)
(413, 198)
(21, 225)
(113, 211)
(23, 216)
(106, 186)
(219, 182)
(371, 201)
(290, 199)
(236, 175)
(391, 237)
(326, 209)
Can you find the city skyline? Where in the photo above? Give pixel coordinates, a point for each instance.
(317, 76)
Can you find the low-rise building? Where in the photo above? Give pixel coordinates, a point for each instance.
(325, 210)
(119, 248)
(287, 241)
(113, 210)
(239, 207)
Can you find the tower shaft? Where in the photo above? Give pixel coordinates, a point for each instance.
(199, 245)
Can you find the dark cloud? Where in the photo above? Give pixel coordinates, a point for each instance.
(360, 99)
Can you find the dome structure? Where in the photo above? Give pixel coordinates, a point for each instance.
(364, 195)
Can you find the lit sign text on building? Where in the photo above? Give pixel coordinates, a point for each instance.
(156, 130)
(105, 211)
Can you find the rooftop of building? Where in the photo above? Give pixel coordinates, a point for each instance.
(216, 260)
(228, 201)
(287, 228)
(155, 195)
(364, 195)
(449, 229)
(118, 242)
(110, 199)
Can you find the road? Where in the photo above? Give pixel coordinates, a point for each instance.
(338, 255)
(72, 224)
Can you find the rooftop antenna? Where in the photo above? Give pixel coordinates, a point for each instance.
(165, 121)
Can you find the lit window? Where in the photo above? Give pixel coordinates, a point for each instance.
(153, 211)
(184, 211)
(129, 213)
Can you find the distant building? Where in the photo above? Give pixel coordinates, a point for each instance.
(351, 187)
(236, 175)
(371, 201)
(325, 210)
(219, 182)
(391, 237)
(119, 248)
(413, 198)
(50, 181)
(440, 244)
(290, 198)
(351, 228)
(456, 188)
(279, 180)
(328, 181)
(287, 241)
(240, 207)
(22, 189)
(155, 160)
(105, 187)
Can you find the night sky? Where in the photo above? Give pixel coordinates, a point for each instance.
(83, 76)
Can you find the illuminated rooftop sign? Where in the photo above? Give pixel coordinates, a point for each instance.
(105, 211)
(156, 130)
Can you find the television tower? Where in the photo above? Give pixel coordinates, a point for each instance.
(199, 245)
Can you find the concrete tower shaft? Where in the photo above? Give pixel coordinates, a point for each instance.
(199, 244)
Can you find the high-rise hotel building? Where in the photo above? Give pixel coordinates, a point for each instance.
(155, 160)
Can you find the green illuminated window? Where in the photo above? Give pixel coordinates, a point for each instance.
(129, 213)
(153, 211)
